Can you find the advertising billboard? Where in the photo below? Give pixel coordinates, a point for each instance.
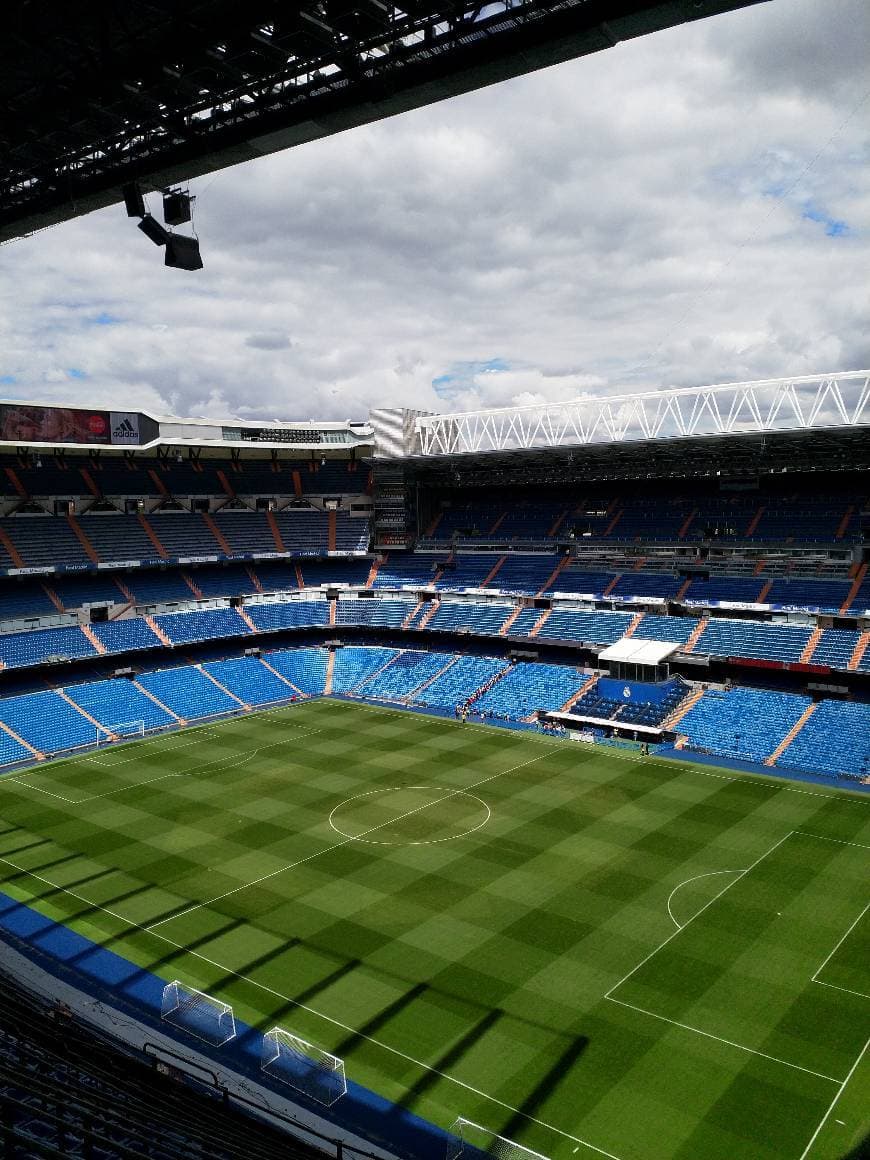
(27, 423)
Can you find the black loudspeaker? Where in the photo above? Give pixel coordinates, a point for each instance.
(236, 602)
(100, 614)
(154, 230)
(182, 253)
(134, 203)
(176, 207)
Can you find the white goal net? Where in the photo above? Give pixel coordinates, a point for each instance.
(123, 731)
(470, 1140)
(198, 1014)
(303, 1066)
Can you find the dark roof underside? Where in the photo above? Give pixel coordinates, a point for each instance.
(95, 95)
(831, 449)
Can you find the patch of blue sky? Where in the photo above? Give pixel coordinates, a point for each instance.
(461, 376)
(834, 227)
(76, 373)
(8, 380)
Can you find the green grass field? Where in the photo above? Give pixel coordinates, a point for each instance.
(590, 953)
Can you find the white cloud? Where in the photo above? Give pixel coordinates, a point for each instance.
(659, 213)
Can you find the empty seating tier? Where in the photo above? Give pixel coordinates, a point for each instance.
(48, 722)
(527, 687)
(269, 617)
(249, 680)
(460, 681)
(305, 668)
(835, 739)
(21, 649)
(204, 624)
(187, 692)
(746, 638)
(747, 724)
(118, 702)
(353, 665)
(403, 675)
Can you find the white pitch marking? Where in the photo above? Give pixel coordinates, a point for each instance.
(347, 841)
(825, 838)
(395, 789)
(840, 941)
(719, 1039)
(313, 1011)
(679, 886)
(195, 772)
(839, 1092)
(740, 874)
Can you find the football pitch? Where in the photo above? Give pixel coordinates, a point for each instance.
(591, 953)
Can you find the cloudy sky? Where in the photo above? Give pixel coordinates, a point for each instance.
(692, 207)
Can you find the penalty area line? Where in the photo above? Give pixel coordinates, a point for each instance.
(720, 1039)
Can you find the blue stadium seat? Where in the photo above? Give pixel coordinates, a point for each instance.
(745, 638)
(288, 614)
(835, 739)
(250, 680)
(130, 633)
(20, 649)
(455, 685)
(408, 569)
(743, 723)
(524, 574)
(203, 624)
(666, 628)
(187, 692)
(378, 611)
(578, 624)
(467, 570)
(24, 597)
(469, 616)
(529, 686)
(632, 702)
(835, 648)
(353, 665)
(303, 667)
(118, 702)
(525, 622)
(156, 586)
(47, 722)
(405, 674)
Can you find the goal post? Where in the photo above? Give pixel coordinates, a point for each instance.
(123, 731)
(472, 1141)
(303, 1066)
(197, 1013)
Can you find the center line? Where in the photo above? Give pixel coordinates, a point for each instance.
(346, 842)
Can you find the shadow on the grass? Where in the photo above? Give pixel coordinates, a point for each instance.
(450, 1057)
(546, 1085)
(861, 1151)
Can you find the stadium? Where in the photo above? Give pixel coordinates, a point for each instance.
(478, 775)
(448, 781)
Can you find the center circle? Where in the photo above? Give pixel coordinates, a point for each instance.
(409, 815)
